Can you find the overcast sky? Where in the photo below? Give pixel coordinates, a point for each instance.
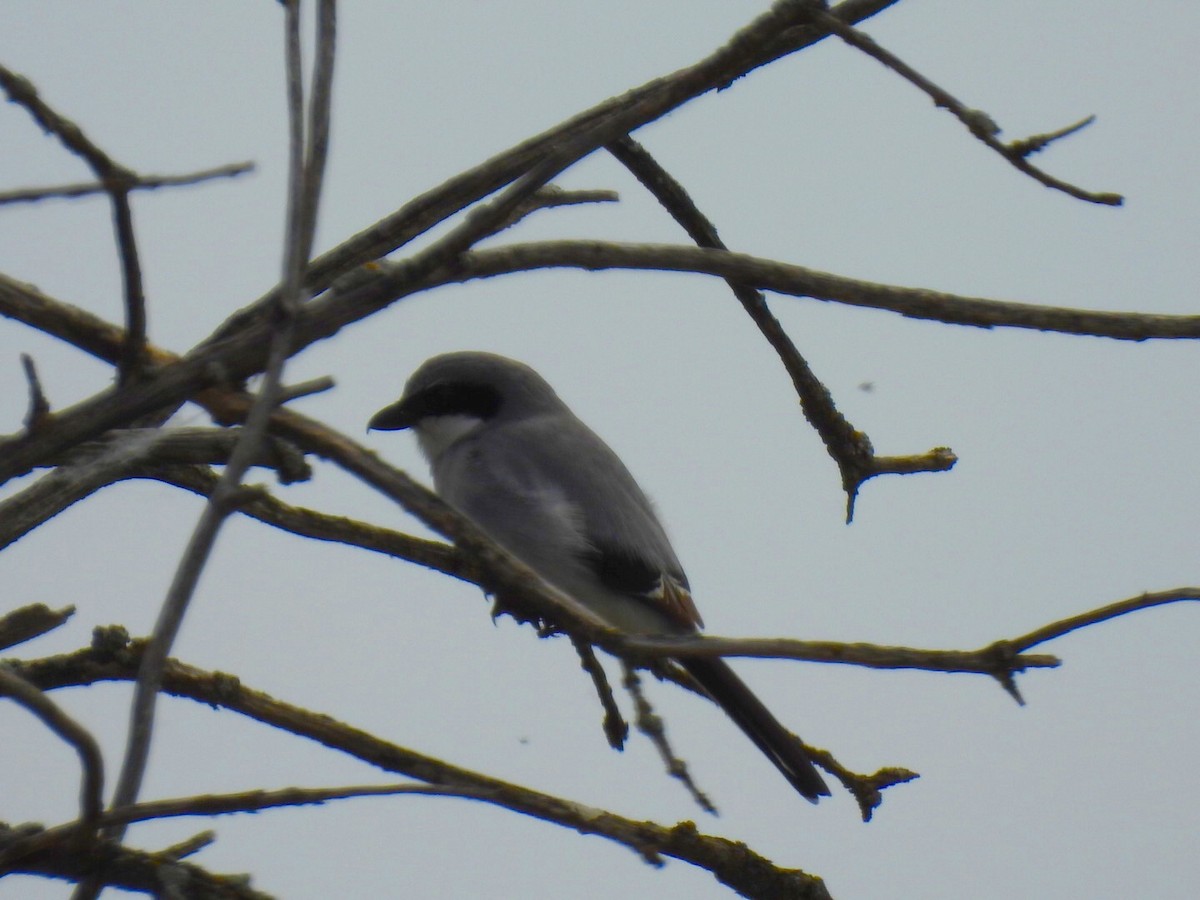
(1076, 484)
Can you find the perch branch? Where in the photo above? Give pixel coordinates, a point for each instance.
(731, 862)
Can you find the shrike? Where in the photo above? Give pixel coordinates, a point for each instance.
(507, 453)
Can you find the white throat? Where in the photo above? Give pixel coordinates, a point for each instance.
(436, 433)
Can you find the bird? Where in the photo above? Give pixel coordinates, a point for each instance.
(506, 452)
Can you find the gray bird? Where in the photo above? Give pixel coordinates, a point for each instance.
(507, 453)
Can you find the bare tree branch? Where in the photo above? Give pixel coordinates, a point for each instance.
(989, 660)
(154, 453)
(156, 874)
(91, 789)
(850, 448)
(800, 281)
(549, 197)
(117, 182)
(979, 123)
(321, 526)
(731, 862)
(78, 327)
(189, 846)
(211, 805)
(1036, 143)
(244, 354)
(783, 30)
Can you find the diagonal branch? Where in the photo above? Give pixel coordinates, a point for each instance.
(179, 457)
(785, 29)
(850, 448)
(15, 852)
(1103, 614)
(486, 219)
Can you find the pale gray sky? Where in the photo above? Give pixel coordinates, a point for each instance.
(1076, 485)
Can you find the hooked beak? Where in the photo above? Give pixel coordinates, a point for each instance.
(397, 417)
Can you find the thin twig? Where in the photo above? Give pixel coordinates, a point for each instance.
(137, 183)
(651, 725)
(189, 846)
(209, 805)
(290, 392)
(1035, 143)
(616, 729)
(1103, 614)
(979, 123)
(550, 197)
(39, 406)
(872, 656)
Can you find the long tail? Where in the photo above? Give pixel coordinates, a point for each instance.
(777, 743)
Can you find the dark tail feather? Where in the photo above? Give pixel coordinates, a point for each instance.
(778, 744)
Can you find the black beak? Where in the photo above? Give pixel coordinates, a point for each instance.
(398, 416)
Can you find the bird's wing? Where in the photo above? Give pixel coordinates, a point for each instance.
(551, 491)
